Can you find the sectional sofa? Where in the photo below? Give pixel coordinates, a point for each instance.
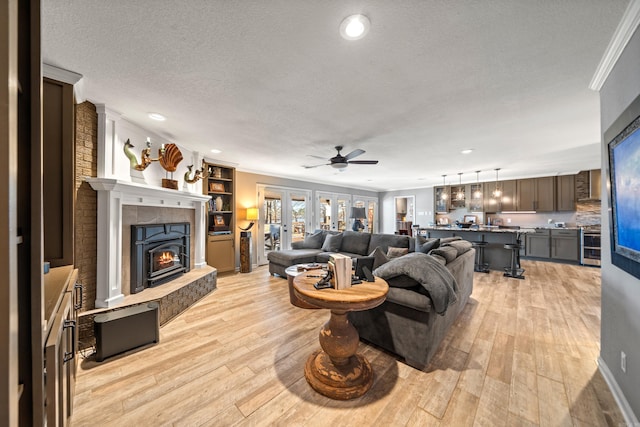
(429, 286)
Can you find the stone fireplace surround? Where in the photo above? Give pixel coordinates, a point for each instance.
(116, 198)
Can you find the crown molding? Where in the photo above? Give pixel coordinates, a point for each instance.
(621, 37)
(66, 76)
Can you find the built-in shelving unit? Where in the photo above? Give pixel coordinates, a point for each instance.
(221, 216)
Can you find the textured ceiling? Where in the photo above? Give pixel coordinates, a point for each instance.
(271, 82)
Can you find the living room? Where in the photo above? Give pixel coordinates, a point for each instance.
(272, 157)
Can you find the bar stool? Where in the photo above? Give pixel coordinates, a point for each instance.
(514, 269)
(480, 266)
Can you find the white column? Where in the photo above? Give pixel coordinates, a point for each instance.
(107, 139)
(200, 234)
(109, 279)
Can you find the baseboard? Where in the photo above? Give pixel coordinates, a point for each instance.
(629, 417)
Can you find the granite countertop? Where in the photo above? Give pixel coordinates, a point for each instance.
(481, 228)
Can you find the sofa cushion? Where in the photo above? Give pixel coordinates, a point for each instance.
(313, 241)
(428, 245)
(291, 257)
(461, 246)
(383, 241)
(409, 298)
(444, 240)
(379, 257)
(355, 242)
(332, 242)
(447, 252)
(393, 252)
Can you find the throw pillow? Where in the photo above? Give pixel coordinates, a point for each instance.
(461, 246)
(332, 242)
(444, 240)
(427, 246)
(396, 252)
(313, 241)
(379, 257)
(447, 252)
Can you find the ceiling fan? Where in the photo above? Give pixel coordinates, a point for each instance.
(340, 162)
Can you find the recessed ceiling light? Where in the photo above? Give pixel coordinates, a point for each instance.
(467, 151)
(157, 116)
(354, 27)
(216, 151)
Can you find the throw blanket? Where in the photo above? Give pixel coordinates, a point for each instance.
(424, 269)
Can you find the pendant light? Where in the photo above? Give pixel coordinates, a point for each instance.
(444, 194)
(478, 193)
(460, 193)
(497, 193)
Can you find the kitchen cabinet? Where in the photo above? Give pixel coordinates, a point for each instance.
(538, 244)
(457, 197)
(221, 216)
(442, 203)
(566, 193)
(475, 197)
(536, 194)
(507, 200)
(565, 245)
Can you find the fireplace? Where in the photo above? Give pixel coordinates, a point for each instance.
(159, 253)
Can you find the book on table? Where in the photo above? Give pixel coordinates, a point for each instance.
(341, 267)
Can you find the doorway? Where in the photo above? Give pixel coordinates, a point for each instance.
(404, 214)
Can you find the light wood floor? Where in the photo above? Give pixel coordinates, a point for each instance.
(523, 352)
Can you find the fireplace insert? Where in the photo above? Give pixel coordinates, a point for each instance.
(159, 253)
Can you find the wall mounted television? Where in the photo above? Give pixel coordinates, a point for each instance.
(624, 189)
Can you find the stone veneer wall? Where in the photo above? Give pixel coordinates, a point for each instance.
(86, 215)
(587, 211)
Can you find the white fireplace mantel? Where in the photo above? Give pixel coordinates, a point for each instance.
(113, 194)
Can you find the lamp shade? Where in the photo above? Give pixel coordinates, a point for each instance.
(358, 213)
(252, 214)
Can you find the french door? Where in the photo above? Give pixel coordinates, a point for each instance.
(285, 215)
(333, 211)
(371, 208)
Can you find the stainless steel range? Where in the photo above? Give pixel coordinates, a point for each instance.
(591, 245)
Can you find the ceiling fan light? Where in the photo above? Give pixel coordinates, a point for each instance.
(339, 165)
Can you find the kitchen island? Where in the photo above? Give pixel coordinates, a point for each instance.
(496, 237)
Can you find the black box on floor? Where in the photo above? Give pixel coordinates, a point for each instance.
(126, 329)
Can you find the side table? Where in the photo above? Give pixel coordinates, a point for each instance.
(337, 371)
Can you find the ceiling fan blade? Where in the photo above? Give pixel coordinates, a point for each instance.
(317, 157)
(315, 166)
(364, 162)
(355, 153)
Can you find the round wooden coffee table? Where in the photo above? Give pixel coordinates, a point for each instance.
(337, 371)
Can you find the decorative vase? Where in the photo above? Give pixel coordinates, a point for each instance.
(219, 203)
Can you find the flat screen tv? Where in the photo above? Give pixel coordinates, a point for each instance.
(624, 194)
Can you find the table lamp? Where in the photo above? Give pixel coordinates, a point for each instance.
(357, 214)
(252, 215)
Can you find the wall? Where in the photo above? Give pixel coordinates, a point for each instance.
(620, 323)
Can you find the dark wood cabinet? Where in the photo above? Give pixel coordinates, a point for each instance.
(442, 196)
(566, 193)
(475, 197)
(536, 194)
(565, 245)
(507, 199)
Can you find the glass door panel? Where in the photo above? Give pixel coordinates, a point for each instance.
(333, 211)
(283, 219)
(371, 209)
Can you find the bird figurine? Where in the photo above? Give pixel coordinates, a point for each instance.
(133, 160)
(198, 175)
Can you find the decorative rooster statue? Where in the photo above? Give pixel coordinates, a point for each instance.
(145, 156)
(198, 175)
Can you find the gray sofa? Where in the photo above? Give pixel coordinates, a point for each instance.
(315, 248)
(407, 323)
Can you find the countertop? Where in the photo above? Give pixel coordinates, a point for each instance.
(482, 229)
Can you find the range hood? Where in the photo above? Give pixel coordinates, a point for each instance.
(595, 190)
